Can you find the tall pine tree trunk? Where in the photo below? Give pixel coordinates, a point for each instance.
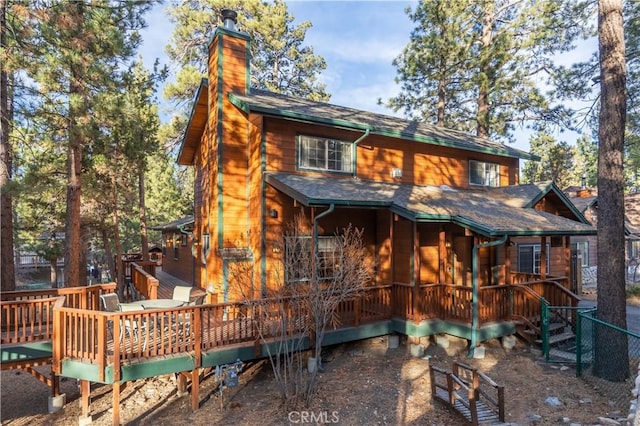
(7, 266)
(483, 106)
(611, 356)
(77, 114)
(143, 213)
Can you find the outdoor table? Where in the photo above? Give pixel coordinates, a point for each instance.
(160, 303)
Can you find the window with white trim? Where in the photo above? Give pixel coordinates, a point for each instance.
(483, 173)
(582, 247)
(298, 255)
(529, 258)
(176, 244)
(325, 154)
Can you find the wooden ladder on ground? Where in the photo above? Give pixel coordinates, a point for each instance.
(469, 392)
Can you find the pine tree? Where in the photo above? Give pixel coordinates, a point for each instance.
(280, 61)
(556, 161)
(500, 50)
(611, 129)
(79, 48)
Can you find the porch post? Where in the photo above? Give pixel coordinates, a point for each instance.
(507, 262)
(567, 259)
(475, 311)
(442, 255)
(543, 257)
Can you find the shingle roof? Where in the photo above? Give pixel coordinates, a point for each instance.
(268, 103)
(486, 211)
(182, 223)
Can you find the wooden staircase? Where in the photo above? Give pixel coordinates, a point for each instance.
(470, 392)
(546, 311)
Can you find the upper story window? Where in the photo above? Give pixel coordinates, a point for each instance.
(483, 173)
(325, 154)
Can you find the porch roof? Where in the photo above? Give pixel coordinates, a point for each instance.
(305, 110)
(483, 210)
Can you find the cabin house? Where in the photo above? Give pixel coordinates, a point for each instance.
(177, 248)
(438, 207)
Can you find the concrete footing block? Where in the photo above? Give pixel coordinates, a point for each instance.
(509, 342)
(84, 421)
(393, 341)
(56, 403)
(478, 352)
(442, 341)
(417, 351)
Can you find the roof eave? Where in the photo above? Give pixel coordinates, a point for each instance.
(349, 125)
(202, 90)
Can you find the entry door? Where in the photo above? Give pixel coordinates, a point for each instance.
(462, 247)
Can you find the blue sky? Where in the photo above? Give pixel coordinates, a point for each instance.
(358, 39)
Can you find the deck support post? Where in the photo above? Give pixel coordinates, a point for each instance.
(182, 384)
(116, 402)
(85, 390)
(195, 389)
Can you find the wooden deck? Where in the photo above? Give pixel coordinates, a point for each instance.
(114, 347)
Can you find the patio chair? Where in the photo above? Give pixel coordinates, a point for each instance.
(185, 319)
(182, 293)
(133, 327)
(110, 303)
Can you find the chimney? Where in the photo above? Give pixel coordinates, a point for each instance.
(229, 19)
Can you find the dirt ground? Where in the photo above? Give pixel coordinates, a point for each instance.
(363, 383)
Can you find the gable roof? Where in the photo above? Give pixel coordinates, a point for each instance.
(482, 210)
(184, 223)
(288, 107)
(196, 124)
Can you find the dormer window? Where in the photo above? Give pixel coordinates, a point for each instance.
(324, 154)
(483, 173)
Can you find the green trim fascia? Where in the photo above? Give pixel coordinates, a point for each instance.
(350, 334)
(220, 101)
(129, 371)
(430, 327)
(25, 351)
(247, 107)
(204, 84)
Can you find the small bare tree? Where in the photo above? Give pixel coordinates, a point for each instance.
(277, 321)
(317, 276)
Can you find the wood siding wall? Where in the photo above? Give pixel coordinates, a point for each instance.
(421, 163)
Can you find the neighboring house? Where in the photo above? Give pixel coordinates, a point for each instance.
(177, 248)
(436, 205)
(586, 201)
(632, 226)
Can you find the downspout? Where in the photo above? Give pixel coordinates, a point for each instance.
(474, 290)
(315, 222)
(355, 151)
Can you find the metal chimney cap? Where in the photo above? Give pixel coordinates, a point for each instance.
(229, 18)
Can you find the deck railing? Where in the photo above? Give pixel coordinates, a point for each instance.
(106, 338)
(87, 297)
(143, 280)
(28, 320)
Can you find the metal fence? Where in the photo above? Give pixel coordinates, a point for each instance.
(603, 363)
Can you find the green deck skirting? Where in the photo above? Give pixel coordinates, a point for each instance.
(26, 351)
(246, 351)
